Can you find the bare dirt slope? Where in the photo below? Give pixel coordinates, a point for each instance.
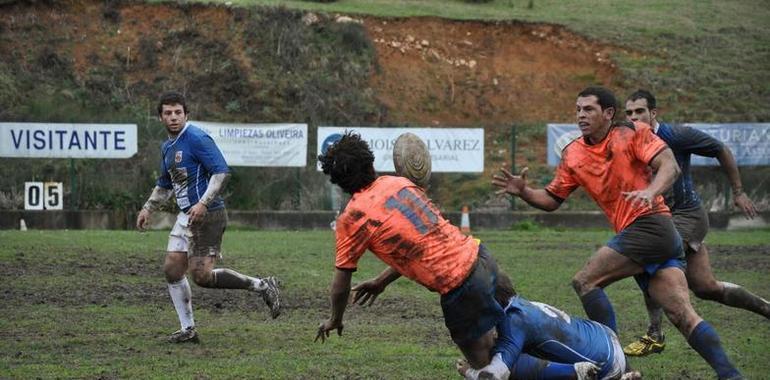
(430, 71)
(436, 71)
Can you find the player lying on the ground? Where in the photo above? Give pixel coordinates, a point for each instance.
(395, 220)
(539, 341)
(691, 219)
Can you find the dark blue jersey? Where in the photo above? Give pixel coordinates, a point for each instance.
(686, 141)
(187, 163)
(548, 333)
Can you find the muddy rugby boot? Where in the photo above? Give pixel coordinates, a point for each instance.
(183, 336)
(272, 296)
(632, 375)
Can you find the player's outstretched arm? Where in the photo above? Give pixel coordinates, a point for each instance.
(516, 185)
(369, 290)
(730, 167)
(159, 196)
(339, 299)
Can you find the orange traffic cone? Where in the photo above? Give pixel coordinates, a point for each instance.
(465, 221)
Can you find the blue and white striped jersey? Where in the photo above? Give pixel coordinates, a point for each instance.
(187, 163)
(546, 332)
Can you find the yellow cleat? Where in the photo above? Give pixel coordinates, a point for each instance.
(644, 346)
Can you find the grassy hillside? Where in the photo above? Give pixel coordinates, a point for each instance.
(708, 60)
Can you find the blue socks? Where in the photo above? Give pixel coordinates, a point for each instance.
(705, 340)
(532, 368)
(598, 308)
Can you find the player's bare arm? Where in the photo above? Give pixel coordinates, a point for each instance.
(339, 297)
(215, 186)
(157, 198)
(730, 167)
(516, 185)
(369, 290)
(667, 171)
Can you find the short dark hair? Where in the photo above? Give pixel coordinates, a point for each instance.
(349, 163)
(646, 95)
(504, 289)
(606, 97)
(170, 98)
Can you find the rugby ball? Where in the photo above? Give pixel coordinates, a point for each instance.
(411, 159)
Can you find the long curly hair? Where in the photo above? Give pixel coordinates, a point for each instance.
(349, 163)
(504, 289)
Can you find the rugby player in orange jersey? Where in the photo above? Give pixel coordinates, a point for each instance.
(612, 161)
(394, 219)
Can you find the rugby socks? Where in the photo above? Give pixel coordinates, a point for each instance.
(181, 296)
(230, 279)
(736, 296)
(529, 367)
(705, 340)
(598, 308)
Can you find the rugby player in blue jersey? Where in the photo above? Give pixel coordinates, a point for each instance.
(193, 169)
(691, 219)
(539, 341)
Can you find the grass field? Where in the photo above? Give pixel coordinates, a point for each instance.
(93, 304)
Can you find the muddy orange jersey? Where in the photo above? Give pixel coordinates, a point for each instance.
(617, 164)
(396, 221)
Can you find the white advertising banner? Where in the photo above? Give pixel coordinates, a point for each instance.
(277, 145)
(452, 150)
(59, 140)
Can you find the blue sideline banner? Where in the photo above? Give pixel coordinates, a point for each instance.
(64, 140)
(749, 142)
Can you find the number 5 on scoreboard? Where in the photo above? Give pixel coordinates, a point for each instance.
(53, 196)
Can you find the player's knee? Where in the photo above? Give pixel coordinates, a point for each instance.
(172, 272)
(580, 285)
(203, 278)
(709, 291)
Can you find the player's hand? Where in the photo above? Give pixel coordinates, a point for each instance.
(197, 213)
(639, 198)
(509, 183)
(367, 291)
(325, 328)
(462, 366)
(743, 202)
(142, 219)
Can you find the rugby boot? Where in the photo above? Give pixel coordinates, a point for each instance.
(645, 345)
(272, 296)
(586, 371)
(183, 336)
